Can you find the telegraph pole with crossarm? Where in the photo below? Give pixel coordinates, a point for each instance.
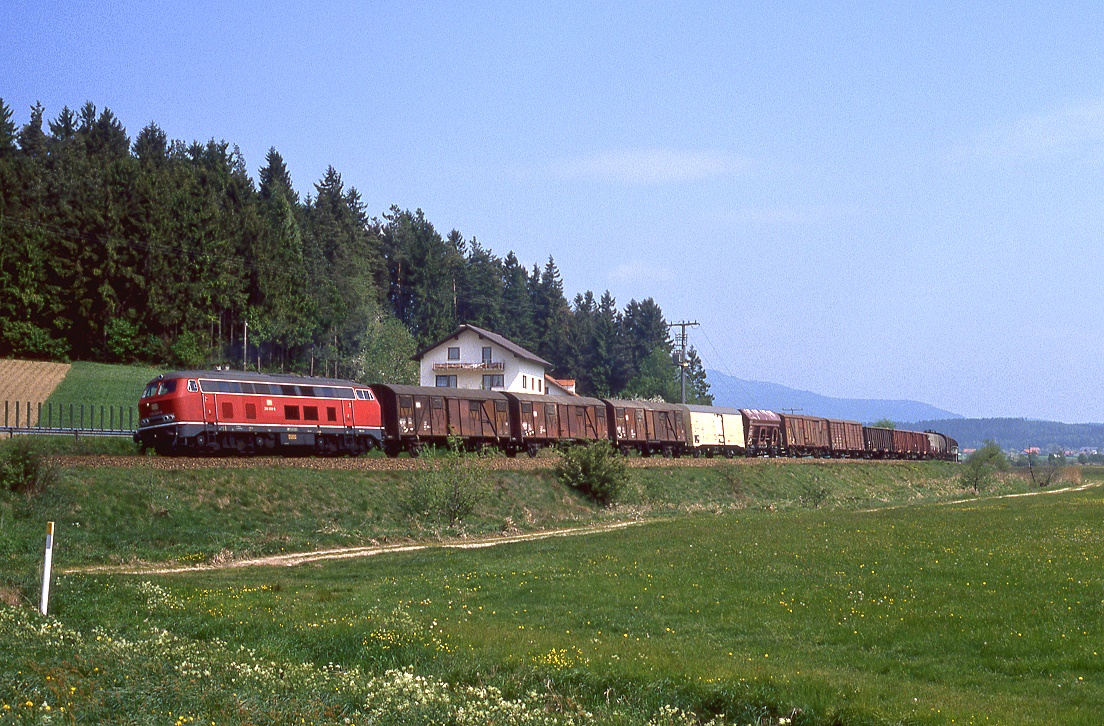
(680, 342)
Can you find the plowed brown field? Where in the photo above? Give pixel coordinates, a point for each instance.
(26, 380)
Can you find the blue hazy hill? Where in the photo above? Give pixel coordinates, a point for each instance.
(739, 393)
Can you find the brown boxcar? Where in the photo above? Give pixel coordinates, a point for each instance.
(878, 442)
(414, 416)
(763, 432)
(805, 435)
(538, 420)
(910, 445)
(649, 427)
(846, 438)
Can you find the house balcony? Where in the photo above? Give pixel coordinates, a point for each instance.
(486, 365)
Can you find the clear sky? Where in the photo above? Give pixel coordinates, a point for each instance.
(883, 200)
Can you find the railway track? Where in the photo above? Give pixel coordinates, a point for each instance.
(367, 463)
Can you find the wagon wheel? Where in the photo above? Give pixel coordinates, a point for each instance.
(532, 450)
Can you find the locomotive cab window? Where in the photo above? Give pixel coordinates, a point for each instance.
(364, 394)
(193, 386)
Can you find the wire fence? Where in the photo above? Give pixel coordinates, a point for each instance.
(73, 419)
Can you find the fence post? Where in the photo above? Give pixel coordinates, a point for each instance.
(82, 416)
(101, 417)
(38, 424)
(112, 427)
(5, 414)
(17, 407)
(46, 565)
(70, 415)
(49, 415)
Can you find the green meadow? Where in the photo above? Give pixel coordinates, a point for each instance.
(755, 609)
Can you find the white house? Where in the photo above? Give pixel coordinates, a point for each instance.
(476, 358)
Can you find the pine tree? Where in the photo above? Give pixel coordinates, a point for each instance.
(7, 131)
(550, 314)
(697, 385)
(481, 290)
(517, 306)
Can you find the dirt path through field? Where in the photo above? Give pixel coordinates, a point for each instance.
(952, 502)
(27, 381)
(342, 553)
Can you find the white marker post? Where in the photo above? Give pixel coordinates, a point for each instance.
(46, 566)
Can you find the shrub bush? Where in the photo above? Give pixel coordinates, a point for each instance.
(449, 490)
(25, 470)
(595, 470)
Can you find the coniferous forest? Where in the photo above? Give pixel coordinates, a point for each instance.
(161, 251)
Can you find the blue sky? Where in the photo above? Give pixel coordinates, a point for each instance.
(861, 199)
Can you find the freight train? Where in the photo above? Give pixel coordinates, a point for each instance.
(230, 413)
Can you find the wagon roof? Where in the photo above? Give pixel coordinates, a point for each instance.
(649, 405)
(546, 398)
(756, 414)
(259, 378)
(470, 394)
(712, 409)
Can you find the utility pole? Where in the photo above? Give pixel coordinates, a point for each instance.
(245, 347)
(680, 341)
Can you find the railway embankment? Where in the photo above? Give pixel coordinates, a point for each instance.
(148, 510)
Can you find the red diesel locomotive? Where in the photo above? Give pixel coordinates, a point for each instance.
(210, 412)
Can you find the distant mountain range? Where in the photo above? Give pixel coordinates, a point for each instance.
(1017, 434)
(739, 393)
(1013, 434)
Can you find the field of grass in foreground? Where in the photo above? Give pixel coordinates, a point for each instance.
(980, 612)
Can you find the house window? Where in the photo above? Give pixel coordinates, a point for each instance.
(487, 354)
(446, 381)
(454, 353)
(538, 385)
(493, 381)
(525, 381)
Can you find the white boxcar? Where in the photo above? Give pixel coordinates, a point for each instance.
(717, 431)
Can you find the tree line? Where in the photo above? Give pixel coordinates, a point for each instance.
(169, 253)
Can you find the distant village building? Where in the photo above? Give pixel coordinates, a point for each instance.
(476, 358)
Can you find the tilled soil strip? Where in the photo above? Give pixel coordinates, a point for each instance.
(341, 553)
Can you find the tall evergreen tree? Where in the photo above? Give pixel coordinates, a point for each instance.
(481, 292)
(517, 305)
(550, 314)
(7, 130)
(697, 385)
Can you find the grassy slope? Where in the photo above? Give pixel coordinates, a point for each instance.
(970, 613)
(109, 515)
(99, 384)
